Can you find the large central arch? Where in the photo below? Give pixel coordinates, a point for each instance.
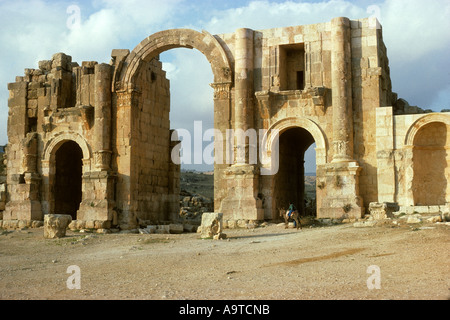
(129, 92)
(162, 41)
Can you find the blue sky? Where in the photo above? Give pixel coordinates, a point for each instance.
(415, 33)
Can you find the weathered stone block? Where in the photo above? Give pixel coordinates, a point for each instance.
(211, 226)
(163, 229)
(176, 228)
(45, 65)
(379, 211)
(55, 225)
(151, 229)
(61, 60)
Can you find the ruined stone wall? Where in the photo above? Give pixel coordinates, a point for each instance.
(59, 102)
(42, 104)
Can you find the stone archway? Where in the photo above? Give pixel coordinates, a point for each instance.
(68, 179)
(289, 181)
(427, 161)
(162, 41)
(286, 142)
(79, 150)
(131, 100)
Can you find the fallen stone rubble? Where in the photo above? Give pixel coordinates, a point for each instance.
(381, 215)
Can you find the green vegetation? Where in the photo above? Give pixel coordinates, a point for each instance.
(152, 241)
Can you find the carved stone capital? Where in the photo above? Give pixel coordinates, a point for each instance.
(102, 160)
(222, 90)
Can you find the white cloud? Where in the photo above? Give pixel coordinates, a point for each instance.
(417, 39)
(414, 28)
(260, 15)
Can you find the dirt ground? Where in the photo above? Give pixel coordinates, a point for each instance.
(265, 263)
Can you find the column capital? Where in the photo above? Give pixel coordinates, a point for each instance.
(222, 90)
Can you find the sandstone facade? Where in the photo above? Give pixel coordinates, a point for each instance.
(94, 141)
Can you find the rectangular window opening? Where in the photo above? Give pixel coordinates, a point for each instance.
(292, 66)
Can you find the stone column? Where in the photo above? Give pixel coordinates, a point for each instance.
(102, 130)
(223, 109)
(243, 119)
(341, 79)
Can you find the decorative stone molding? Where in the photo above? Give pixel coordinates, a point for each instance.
(222, 90)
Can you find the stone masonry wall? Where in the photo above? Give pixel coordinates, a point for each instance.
(155, 193)
(59, 102)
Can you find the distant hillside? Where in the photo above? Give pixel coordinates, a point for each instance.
(310, 185)
(198, 183)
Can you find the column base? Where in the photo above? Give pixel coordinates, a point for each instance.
(26, 210)
(98, 203)
(241, 203)
(339, 191)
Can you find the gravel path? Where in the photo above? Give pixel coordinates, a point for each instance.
(326, 263)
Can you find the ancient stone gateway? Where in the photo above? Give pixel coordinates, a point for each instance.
(101, 132)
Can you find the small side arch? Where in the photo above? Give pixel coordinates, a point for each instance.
(58, 139)
(305, 123)
(427, 160)
(422, 121)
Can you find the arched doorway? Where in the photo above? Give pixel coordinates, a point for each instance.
(68, 179)
(279, 139)
(430, 164)
(289, 181)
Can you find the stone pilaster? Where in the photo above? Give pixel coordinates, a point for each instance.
(243, 105)
(98, 185)
(22, 177)
(341, 78)
(339, 180)
(223, 109)
(102, 130)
